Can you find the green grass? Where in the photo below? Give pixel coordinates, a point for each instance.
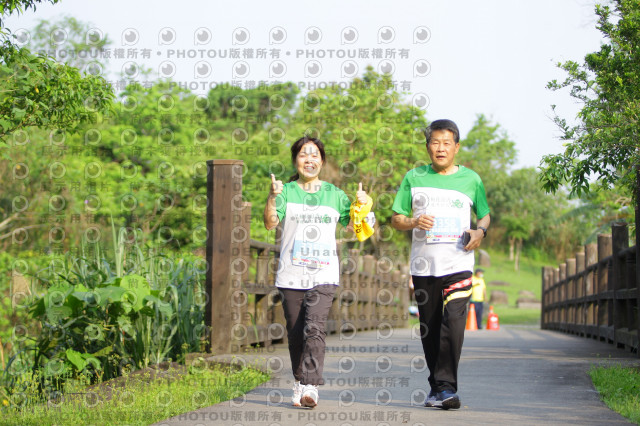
(138, 402)
(527, 278)
(506, 315)
(513, 315)
(619, 388)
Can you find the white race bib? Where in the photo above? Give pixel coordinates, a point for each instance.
(447, 229)
(308, 251)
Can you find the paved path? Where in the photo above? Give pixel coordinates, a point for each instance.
(514, 376)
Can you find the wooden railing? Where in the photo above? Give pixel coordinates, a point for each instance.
(596, 294)
(244, 305)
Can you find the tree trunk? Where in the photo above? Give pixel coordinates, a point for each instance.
(518, 249)
(511, 244)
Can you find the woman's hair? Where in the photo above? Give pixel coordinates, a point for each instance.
(297, 146)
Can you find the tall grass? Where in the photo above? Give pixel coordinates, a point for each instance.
(101, 314)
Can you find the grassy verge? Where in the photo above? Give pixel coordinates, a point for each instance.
(506, 315)
(139, 401)
(527, 278)
(512, 315)
(619, 388)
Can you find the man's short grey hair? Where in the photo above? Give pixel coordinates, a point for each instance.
(442, 125)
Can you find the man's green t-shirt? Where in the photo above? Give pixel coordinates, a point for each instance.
(450, 199)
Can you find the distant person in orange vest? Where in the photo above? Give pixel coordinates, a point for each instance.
(434, 202)
(478, 294)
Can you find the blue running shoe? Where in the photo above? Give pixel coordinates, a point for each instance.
(447, 400)
(431, 400)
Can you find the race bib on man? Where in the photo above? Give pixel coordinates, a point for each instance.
(450, 215)
(447, 229)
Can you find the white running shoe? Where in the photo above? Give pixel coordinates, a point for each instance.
(309, 396)
(297, 394)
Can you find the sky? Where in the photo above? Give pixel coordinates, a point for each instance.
(454, 59)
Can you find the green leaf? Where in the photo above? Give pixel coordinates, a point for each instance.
(93, 361)
(39, 309)
(137, 289)
(18, 114)
(103, 352)
(124, 322)
(76, 359)
(58, 313)
(88, 297)
(147, 311)
(164, 307)
(110, 294)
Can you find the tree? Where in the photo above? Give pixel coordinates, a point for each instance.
(518, 230)
(599, 210)
(38, 91)
(77, 45)
(519, 207)
(605, 141)
(19, 6)
(487, 149)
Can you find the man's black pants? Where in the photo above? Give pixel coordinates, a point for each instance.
(442, 305)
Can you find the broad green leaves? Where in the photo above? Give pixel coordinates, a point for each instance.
(80, 361)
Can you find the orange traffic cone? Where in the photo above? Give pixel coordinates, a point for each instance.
(471, 318)
(492, 320)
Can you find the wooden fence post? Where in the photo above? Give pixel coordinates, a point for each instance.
(545, 311)
(402, 295)
(224, 181)
(590, 286)
(543, 297)
(349, 298)
(556, 299)
(581, 306)
(367, 293)
(240, 261)
(632, 313)
(550, 297)
(604, 317)
(384, 292)
(619, 241)
(562, 296)
(571, 294)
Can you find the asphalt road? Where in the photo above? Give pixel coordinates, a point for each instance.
(514, 376)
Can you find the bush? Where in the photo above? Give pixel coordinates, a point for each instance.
(98, 318)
